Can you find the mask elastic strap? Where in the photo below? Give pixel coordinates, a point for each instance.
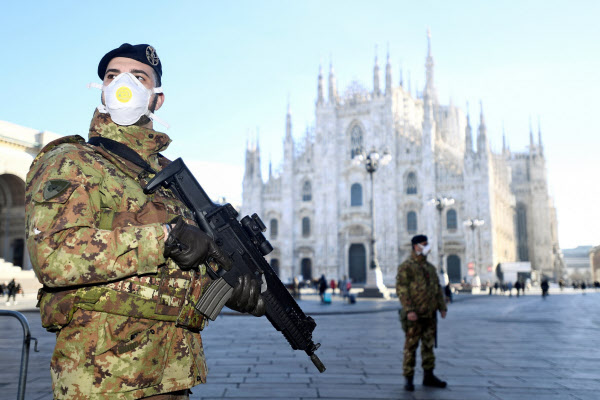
(102, 109)
(157, 119)
(94, 85)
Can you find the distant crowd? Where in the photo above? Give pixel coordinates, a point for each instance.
(342, 287)
(10, 289)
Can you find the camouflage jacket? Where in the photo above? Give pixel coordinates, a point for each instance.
(418, 287)
(96, 239)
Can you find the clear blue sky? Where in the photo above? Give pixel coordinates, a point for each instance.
(230, 66)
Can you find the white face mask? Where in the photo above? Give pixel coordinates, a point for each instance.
(425, 249)
(127, 100)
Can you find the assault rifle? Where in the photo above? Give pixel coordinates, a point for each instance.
(245, 244)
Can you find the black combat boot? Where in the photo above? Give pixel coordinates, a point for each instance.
(429, 379)
(409, 386)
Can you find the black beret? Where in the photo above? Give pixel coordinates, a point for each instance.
(143, 53)
(418, 239)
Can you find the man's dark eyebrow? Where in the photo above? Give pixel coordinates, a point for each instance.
(133, 71)
(112, 70)
(139, 71)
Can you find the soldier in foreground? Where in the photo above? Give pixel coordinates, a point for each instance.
(419, 291)
(121, 269)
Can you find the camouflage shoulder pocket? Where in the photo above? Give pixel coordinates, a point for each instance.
(55, 191)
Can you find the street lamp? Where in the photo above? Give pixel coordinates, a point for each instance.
(440, 203)
(475, 223)
(372, 161)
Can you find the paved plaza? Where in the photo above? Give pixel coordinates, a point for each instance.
(490, 347)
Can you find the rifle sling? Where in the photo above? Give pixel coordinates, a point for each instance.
(122, 151)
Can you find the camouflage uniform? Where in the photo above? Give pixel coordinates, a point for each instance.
(418, 288)
(121, 311)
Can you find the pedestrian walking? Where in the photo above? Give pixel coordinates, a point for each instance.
(518, 287)
(583, 287)
(332, 286)
(419, 291)
(12, 289)
(296, 288)
(322, 284)
(448, 293)
(496, 287)
(122, 270)
(545, 286)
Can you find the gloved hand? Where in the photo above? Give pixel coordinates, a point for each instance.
(189, 247)
(246, 297)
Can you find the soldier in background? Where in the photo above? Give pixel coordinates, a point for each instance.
(419, 291)
(121, 270)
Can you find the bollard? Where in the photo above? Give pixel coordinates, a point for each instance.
(25, 350)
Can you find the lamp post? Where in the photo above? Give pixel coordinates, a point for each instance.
(372, 161)
(441, 203)
(475, 223)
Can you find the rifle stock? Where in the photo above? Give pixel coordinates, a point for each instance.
(245, 244)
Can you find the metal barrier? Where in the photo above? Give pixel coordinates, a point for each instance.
(25, 350)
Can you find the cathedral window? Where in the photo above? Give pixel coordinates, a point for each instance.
(356, 195)
(305, 227)
(411, 183)
(411, 222)
(306, 191)
(356, 141)
(274, 228)
(522, 246)
(451, 220)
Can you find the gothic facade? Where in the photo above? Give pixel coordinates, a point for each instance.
(317, 206)
(18, 147)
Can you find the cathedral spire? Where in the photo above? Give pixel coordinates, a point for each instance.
(401, 80)
(333, 96)
(270, 167)
(482, 145)
(540, 137)
(468, 135)
(531, 142)
(429, 84)
(376, 88)
(388, 74)
(504, 148)
(288, 122)
(320, 88)
(257, 171)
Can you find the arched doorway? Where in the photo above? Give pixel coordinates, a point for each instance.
(357, 263)
(306, 265)
(453, 262)
(12, 219)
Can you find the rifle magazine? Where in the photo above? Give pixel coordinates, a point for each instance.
(213, 300)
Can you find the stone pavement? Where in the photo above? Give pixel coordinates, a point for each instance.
(490, 347)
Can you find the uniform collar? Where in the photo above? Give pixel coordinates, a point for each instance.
(146, 142)
(420, 258)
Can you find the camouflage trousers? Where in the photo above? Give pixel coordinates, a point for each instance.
(422, 329)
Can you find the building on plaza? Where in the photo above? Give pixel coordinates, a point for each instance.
(18, 147)
(578, 264)
(595, 263)
(316, 207)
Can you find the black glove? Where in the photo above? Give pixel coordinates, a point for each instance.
(246, 297)
(189, 247)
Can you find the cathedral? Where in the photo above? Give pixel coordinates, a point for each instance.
(479, 208)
